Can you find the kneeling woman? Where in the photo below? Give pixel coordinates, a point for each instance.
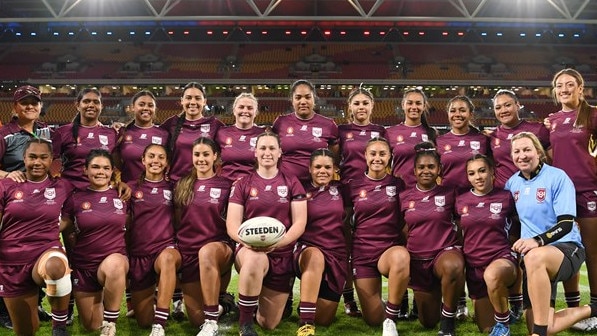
(321, 254)
(486, 219)
(31, 255)
(98, 219)
(150, 240)
(200, 199)
(437, 264)
(378, 242)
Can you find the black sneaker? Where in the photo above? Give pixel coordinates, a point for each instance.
(43, 314)
(247, 330)
(516, 314)
(287, 309)
(414, 312)
(228, 304)
(5, 320)
(59, 331)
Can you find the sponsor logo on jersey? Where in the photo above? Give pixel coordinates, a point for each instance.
(138, 194)
(540, 195)
(349, 136)
(591, 206)
(400, 138)
(496, 142)
(289, 131)
(253, 192)
(447, 148)
(128, 138)
(465, 210)
(363, 193)
(85, 205)
(228, 141)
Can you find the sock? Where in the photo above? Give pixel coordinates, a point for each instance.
(540, 330)
(111, 315)
(447, 320)
(211, 312)
(572, 299)
(392, 311)
(127, 295)
(593, 306)
(348, 295)
(161, 316)
(593, 298)
(59, 317)
(462, 301)
(503, 318)
(306, 313)
(404, 303)
(247, 305)
(515, 300)
(177, 295)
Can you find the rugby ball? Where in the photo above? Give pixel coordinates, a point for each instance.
(261, 231)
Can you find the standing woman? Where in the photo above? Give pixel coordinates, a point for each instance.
(549, 241)
(134, 137)
(98, 219)
(186, 127)
(266, 274)
(486, 219)
(404, 136)
(378, 240)
(320, 257)
(154, 259)
(238, 141)
(72, 142)
(573, 136)
(437, 263)
(463, 141)
(23, 126)
(200, 199)
(506, 107)
(353, 137)
(31, 255)
(303, 131)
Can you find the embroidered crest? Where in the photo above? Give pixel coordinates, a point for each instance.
(215, 192)
(282, 191)
(591, 206)
(168, 194)
(103, 139)
(391, 191)
(156, 140)
(117, 203)
(205, 128)
(540, 195)
(440, 201)
(495, 208)
(317, 132)
(50, 193)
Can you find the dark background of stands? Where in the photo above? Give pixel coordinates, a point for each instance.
(471, 47)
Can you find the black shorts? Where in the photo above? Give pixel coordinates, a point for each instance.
(574, 256)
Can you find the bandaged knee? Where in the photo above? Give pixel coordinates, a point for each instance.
(59, 287)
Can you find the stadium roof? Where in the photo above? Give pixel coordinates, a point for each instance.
(301, 12)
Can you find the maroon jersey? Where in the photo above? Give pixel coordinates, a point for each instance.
(151, 229)
(202, 221)
(403, 139)
(182, 155)
(268, 197)
(500, 147)
(299, 138)
(570, 149)
(238, 150)
(377, 219)
(485, 221)
(100, 223)
(30, 218)
(353, 141)
(132, 143)
(325, 211)
(429, 218)
(454, 150)
(73, 153)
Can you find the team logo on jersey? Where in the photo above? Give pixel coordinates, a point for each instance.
(215, 192)
(85, 205)
(253, 192)
(18, 195)
(334, 191)
(515, 195)
(50, 193)
(540, 195)
(495, 208)
(374, 134)
(317, 132)
(228, 141)
(282, 191)
(156, 140)
(117, 203)
(349, 136)
(591, 206)
(138, 194)
(128, 138)
(391, 191)
(253, 143)
(424, 137)
(363, 193)
(103, 139)
(205, 128)
(475, 146)
(289, 130)
(167, 195)
(440, 201)
(400, 139)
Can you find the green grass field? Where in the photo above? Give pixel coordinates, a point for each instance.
(343, 326)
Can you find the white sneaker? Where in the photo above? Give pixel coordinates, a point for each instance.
(157, 330)
(461, 312)
(209, 328)
(178, 311)
(389, 328)
(587, 324)
(108, 329)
